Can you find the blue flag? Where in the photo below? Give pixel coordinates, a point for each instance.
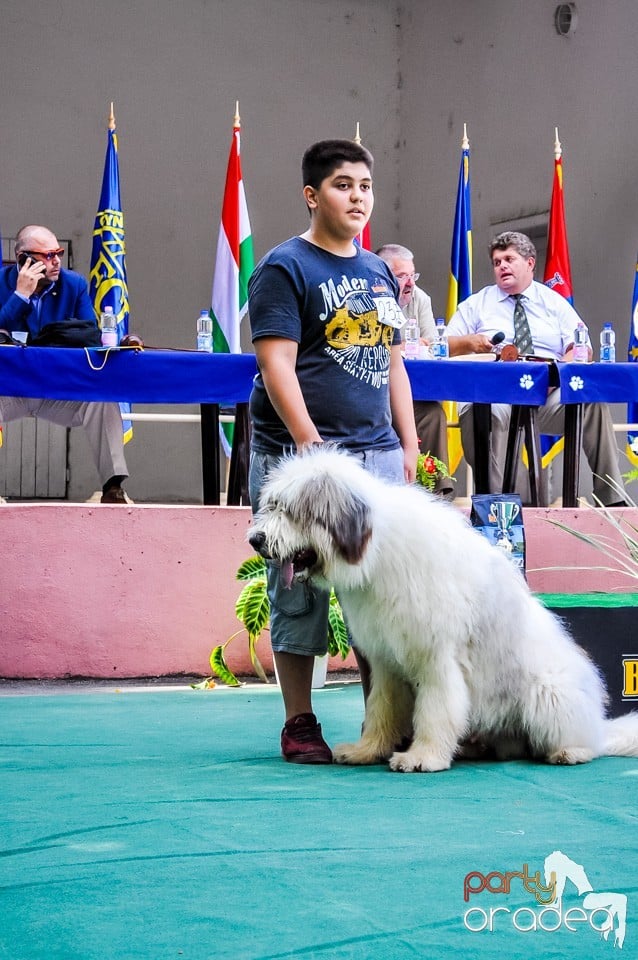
(107, 277)
(459, 281)
(632, 356)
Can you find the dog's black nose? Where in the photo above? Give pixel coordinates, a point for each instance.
(257, 540)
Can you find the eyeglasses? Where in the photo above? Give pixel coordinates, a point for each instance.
(48, 256)
(402, 277)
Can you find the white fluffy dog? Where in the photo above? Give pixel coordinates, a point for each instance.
(460, 650)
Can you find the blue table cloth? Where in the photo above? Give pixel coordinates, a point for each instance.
(174, 376)
(598, 382)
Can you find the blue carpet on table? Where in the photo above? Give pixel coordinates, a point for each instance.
(164, 824)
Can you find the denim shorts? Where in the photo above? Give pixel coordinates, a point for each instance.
(299, 615)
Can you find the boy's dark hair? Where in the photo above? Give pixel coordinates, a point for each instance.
(323, 158)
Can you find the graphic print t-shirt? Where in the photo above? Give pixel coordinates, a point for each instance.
(342, 311)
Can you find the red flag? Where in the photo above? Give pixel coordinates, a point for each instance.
(558, 273)
(364, 237)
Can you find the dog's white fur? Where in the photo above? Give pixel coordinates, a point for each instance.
(459, 647)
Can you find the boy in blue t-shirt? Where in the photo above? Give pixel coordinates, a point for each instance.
(325, 326)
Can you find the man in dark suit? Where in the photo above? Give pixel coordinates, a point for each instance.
(33, 293)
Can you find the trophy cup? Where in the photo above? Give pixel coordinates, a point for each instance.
(505, 513)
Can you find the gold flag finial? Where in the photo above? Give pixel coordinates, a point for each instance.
(111, 118)
(236, 121)
(465, 143)
(357, 136)
(558, 150)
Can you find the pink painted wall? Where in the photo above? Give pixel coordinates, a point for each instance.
(103, 591)
(99, 591)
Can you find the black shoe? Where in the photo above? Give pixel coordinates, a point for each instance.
(114, 495)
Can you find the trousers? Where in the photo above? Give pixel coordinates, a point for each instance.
(299, 615)
(102, 423)
(599, 444)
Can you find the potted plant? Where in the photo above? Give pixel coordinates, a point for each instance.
(429, 469)
(253, 611)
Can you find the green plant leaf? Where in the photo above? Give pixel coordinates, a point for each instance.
(338, 642)
(253, 608)
(220, 668)
(251, 568)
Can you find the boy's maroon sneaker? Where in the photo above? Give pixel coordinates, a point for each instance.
(301, 741)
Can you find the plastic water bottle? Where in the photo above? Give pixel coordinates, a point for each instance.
(108, 326)
(412, 338)
(607, 344)
(441, 347)
(204, 332)
(581, 352)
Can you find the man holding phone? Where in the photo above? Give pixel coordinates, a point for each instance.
(38, 291)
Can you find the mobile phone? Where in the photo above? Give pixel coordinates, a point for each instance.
(22, 259)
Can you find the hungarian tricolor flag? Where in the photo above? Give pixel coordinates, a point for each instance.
(233, 265)
(558, 272)
(234, 262)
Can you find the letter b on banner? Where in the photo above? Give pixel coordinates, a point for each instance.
(630, 674)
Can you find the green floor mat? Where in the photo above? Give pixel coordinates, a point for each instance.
(165, 825)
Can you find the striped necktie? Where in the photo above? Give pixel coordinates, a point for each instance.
(522, 333)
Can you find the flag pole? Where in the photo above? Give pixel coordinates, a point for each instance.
(111, 118)
(236, 118)
(558, 149)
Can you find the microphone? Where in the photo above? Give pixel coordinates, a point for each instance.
(497, 338)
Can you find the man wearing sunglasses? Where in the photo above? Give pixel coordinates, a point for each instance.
(37, 291)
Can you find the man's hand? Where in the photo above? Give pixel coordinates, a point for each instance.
(470, 343)
(29, 276)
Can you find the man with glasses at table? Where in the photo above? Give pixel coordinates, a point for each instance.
(37, 291)
(429, 416)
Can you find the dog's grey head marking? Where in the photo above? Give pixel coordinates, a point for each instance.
(343, 514)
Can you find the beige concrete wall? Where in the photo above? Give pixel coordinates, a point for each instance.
(410, 73)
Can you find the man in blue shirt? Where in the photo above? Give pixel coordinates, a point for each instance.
(35, 292)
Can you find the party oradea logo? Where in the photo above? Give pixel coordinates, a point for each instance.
(553, 906)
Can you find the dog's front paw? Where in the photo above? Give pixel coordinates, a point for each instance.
(356, 754)
(571, 755)
(419, 760)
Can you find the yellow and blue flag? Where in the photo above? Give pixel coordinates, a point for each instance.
(632, 356)
(107, 278)
(460, 280)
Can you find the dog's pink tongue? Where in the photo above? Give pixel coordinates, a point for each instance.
(287, 573)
